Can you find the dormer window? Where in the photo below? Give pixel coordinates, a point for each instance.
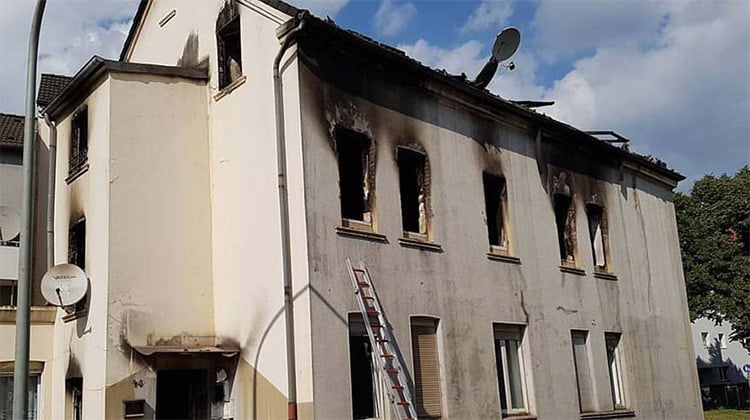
(228, 44)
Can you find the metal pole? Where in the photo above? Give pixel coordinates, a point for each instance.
(278, 91)
(21, 365)
(51, 191)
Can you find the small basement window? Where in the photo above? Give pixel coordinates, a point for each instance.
(597, 234)
(228, 44)
(79, 141)
(355, 181)
(414, 190)
(565, 221)
(495, 201)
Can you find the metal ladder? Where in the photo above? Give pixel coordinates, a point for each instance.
(383, 342)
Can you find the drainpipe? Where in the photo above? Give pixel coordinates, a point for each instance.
(51, 191)
(21, 362)
(278, 93)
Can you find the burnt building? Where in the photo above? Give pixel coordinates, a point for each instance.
(526, 268)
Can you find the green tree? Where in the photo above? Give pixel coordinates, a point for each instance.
(714, 227)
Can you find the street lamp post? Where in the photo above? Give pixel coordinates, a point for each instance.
(23, 309)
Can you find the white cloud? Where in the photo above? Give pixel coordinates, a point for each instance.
(490, 14)
(321, 8)
(393, 16)
(72, 31)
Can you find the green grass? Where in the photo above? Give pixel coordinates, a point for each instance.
(727, 415)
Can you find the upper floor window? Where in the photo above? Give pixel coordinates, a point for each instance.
(495, 202)
(563, 203)
(511, 376)
(228, 44)
(79, 141)
(414, 188)
(356, 178)
(77, 244)
(598, 235)
(705, 338)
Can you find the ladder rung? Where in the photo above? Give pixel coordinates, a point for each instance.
(387, 356)
(372, 312)
(391, 371)
(358, 270)
(397, 387)
(368, 298)
(363, 284)
(376, 325)
(381, 340)
(403, 403)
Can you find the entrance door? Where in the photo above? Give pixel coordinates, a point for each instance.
(182, 394)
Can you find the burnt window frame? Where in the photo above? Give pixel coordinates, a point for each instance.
(77, 256)
(501, 234)
(79, 142)
(228, 25)
(568, 257)
(421, 233)
(593, 208)
(362, 213)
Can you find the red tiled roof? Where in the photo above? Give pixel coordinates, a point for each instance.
(49, 87)
(11, 130)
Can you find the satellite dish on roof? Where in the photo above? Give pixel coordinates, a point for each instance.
(506, 44)
(10, 223)
(64, 285)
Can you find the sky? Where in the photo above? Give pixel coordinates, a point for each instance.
(672, 76)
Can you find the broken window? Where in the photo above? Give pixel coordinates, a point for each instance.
(583, 371)
(414, 190)
(79, 141)
(426, 367)
(228, 44)
(182, 394)
(511, 376)
(74, 390)
(362, 370)
(612, 341)
(565, 220)
(495, 201)
(77, 244)
(597, 234)
(355, 179)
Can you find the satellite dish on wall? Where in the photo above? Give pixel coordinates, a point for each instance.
(64, 285)
(506, 44)
(10, 223)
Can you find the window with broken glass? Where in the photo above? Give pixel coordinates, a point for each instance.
(228, 44)
(565, 221)
(598, 236)
(363, 372)
(495, 201)
(511, 375)
(414, 191)
(356, 178)
(79, 142)
(77, 251)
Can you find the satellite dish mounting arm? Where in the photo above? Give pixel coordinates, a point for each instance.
(488, 71)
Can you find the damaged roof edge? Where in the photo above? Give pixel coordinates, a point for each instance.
(83, 82)
(563, 131)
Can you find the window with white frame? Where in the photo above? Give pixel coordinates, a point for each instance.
(583, 371)
(6, 395)
(511, 377)
(614, 363)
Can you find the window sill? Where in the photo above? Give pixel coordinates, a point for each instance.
(76, 173)
(572, 270)
(612, 414)
(416, 244)
(39, 314)
(519, 416)
(361, 234)
(226, 90)
(605, 275)
(494, 256)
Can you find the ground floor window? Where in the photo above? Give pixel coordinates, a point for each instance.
(426, 367)
(510, 368)
(6, 396)
(362, 370)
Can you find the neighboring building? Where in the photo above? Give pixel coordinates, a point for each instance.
(526, 267)
(721, 365)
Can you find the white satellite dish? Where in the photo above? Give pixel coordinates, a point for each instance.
(10, 223)
(506, 44)
(64, 285)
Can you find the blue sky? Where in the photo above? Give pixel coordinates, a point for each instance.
(673, 76)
